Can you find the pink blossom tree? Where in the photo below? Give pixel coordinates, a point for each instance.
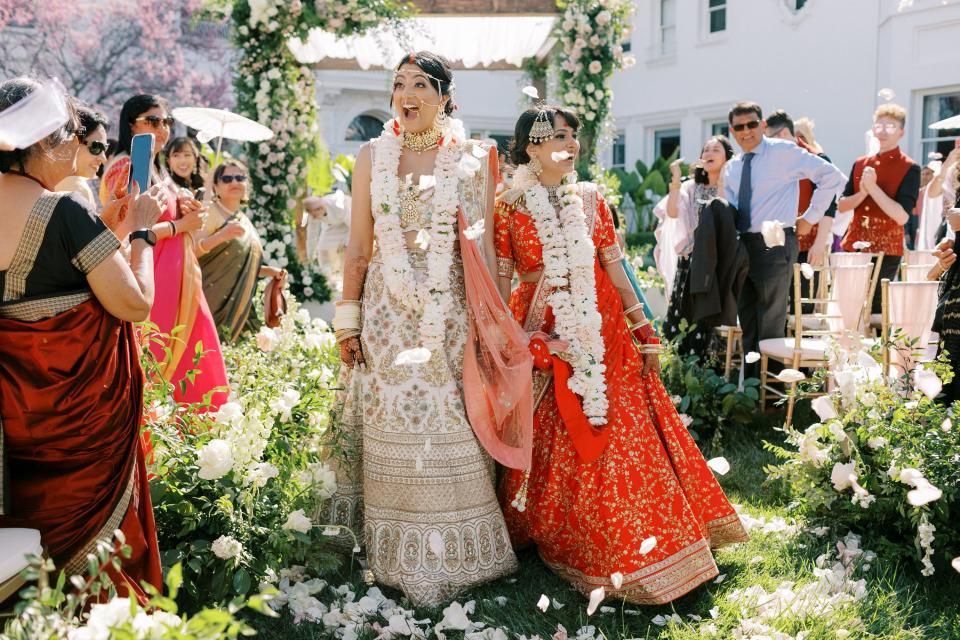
(105, 51)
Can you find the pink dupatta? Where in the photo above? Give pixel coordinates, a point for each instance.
(497, 367)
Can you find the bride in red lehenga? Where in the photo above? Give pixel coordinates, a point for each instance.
(618, 495)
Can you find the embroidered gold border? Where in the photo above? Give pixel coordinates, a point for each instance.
(611, 254)
(29, 245)
(658, 583)
(726, 530)
(42, 308)
(505, 267)
(78, 563)
(3, 474)
(96, 251)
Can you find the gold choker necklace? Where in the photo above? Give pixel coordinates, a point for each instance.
(423, 141)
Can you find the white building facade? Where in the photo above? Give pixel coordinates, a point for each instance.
(824, 59)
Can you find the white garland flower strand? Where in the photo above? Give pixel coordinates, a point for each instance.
(433, 300)
(568, 267)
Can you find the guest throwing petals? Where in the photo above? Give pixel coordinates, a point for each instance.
(617, 484)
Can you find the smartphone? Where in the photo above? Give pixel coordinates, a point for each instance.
(200, 193)
(141, 154)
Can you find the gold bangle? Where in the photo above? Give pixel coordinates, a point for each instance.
(639, 305)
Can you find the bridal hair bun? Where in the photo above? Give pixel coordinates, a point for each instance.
(438, 69)
(532, 124)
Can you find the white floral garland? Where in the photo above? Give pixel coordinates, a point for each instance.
(434, 300)
(568, 267)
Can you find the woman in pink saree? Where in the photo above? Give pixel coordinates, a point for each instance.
(180, 311)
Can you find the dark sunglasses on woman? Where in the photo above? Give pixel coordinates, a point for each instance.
(229, 179)
(156, 121)
(96, 147)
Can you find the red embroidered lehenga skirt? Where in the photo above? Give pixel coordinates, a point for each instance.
(589, 520)
(71, 400)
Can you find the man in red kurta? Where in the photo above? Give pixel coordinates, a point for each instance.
(882, 191)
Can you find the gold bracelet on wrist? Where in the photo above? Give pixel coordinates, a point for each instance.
(636, 307)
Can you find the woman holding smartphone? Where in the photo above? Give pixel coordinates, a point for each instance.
(179, 299)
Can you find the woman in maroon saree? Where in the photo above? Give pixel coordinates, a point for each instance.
(71, 386)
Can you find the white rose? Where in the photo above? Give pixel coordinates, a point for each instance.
(226, 547)
(215, 459)
(298, 521)
(603, 18)
(267, 339)
(595, 67)
(260, 473)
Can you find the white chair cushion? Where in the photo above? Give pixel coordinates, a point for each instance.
(15, 545)
(783, 348)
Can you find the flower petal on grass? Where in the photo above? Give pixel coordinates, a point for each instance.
(647, 545)
(543, 603)
(475, 230)
(596, 597)
(720, 465)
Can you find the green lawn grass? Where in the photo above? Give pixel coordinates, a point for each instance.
(900, 604)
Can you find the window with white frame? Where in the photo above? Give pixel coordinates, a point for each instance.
(668, 27)
(716, 16)
(665, 142)
(937, 107)
(618, 153)
(720, 128)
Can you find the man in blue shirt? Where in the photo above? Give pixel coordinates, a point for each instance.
(762, 183)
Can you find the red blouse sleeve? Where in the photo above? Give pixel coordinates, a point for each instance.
(605, 236)
(501, 239)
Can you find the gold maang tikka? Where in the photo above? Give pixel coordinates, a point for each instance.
(542, 130)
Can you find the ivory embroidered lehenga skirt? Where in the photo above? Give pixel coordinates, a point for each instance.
(414, 474)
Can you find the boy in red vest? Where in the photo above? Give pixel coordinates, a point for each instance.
(882, 191)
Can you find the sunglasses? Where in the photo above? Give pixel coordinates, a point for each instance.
(753, 124)
(889, 128)
(156, 121)
(229, 179)
(96, 147)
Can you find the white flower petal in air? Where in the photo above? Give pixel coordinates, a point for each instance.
(412, 356)
(427, 181)
(617, 580)
(596, 597)
(807, 270)
(927, 382)
(859, 245)
(773, 233)
(436, 543)
(719, 465)
(531, 91)
(955, 563)
(647, 545)
(790, 376)
(560, 156)
(751, 357)
(823, 405)
(923, 494)
(468, 165)
(423, 239)
(475, 230)
(543, 603)
(479, 151)
(887, 93)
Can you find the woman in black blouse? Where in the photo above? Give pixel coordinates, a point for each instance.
(71, 387)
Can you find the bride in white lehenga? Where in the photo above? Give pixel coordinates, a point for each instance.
(418, 479)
